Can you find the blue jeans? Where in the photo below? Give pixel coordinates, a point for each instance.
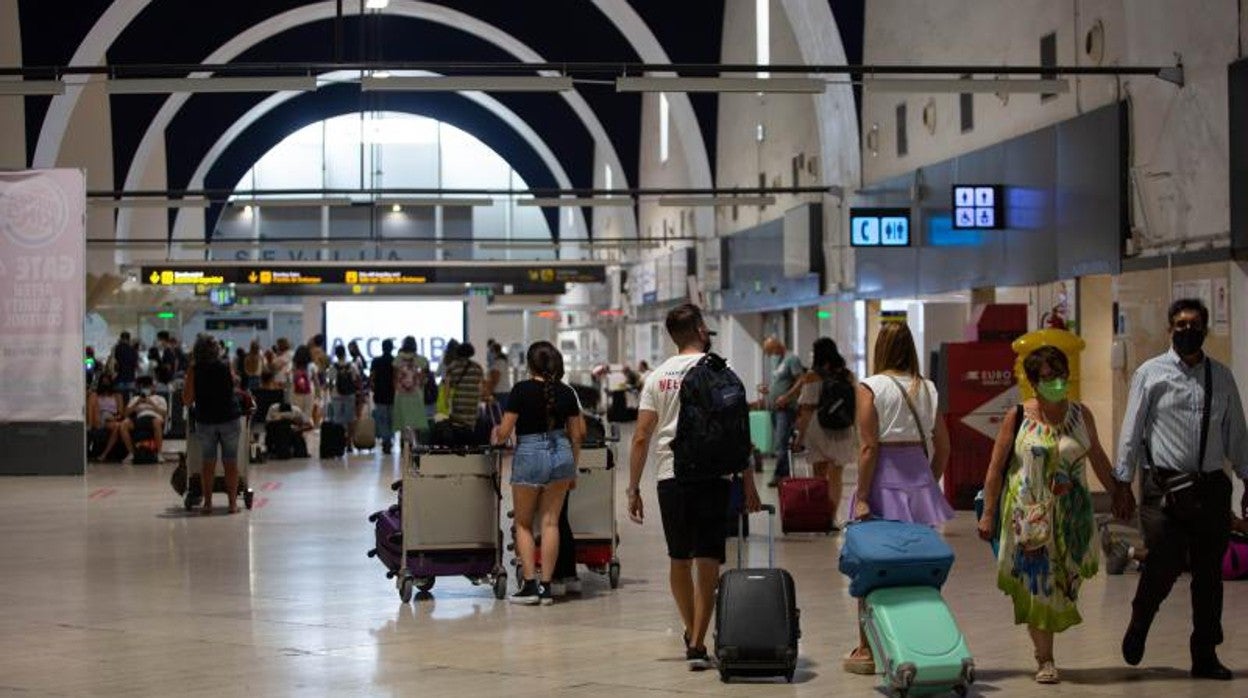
(385, 427)
(541, 459)
(782, 423)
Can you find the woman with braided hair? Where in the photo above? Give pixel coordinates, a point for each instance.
(546, 417)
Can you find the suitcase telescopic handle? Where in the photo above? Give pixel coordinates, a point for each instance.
(771, 536)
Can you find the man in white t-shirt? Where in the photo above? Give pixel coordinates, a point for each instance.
(694, 513)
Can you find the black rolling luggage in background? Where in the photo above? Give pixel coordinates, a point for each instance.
(333, 440)
(756, 617)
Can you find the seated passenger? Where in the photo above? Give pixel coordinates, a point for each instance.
(104, 418)
(146, 412)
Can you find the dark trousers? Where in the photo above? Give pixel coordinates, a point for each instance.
(565, 565)
(1171, 543)
(783, 422)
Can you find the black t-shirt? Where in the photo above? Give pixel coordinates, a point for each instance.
(214, 394)
(127, 359)
(528, 400)
(381, 373)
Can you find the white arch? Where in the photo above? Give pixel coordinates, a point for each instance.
(90, 53)
(323, 10)
(819, 40)
(273, 101)
(647, 46)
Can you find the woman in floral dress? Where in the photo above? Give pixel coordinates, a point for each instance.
(1037, 490)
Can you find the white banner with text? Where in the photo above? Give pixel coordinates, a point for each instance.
(42, 293)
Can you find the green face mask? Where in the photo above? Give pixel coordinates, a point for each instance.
(1052, 390)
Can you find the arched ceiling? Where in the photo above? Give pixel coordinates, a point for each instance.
(175, 31)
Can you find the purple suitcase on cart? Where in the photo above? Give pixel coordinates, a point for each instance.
(424, 567)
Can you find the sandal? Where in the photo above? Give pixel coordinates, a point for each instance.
(1047, 673)
(859, 663)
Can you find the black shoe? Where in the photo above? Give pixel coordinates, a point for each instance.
(1211, 668)
(528, 595)
(698, 659)
(774, 482)
(1133, 642)
(544, 595)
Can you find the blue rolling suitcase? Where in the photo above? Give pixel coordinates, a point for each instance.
(878, 554)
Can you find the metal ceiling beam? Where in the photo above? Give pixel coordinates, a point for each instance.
(223, 195)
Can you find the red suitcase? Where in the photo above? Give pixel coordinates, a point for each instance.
(804, 505)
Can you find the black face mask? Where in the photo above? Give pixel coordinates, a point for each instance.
(1188, 341)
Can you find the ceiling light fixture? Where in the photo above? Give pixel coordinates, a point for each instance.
(32, 87)
(966, 85)
(472, 83)
(693, 201)
(619, 202)
(434, 201)
(150, 203)
(654, 84)
(290, 203)
(376, 4)
(147, 86)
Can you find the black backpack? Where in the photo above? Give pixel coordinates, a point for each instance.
(837, 402)
(345, 381)
(713, 428)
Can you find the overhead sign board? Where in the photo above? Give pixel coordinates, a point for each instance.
(879, 227)
(978, 206)
(527, 275)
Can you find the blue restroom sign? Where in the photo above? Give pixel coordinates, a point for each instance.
(879, 227)
(978, 206)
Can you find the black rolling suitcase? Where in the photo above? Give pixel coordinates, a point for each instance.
(333, 440)
(756, 617)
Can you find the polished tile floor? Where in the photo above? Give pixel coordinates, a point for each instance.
(108, 588)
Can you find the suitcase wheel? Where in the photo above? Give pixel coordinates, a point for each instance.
(613, 575)
(405, 589)
(424, 584)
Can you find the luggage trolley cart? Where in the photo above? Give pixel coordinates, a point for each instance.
(188, 485)
(449, 500)
(591, 513)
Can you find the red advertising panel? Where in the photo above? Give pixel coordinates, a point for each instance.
(981, 388)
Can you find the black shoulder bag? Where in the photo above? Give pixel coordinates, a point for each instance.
(1181, 492)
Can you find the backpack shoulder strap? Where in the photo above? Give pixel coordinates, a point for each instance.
(914, 413)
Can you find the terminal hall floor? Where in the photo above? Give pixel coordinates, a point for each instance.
(108, 588)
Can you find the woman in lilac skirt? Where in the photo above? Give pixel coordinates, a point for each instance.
(904, 448)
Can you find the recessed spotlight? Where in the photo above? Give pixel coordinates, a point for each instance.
(396, 209)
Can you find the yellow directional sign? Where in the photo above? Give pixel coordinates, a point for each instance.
(266, 277)
(352, 277)
(166, 278)
(252, 277)
(155, 277)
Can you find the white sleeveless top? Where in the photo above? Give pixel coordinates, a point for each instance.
(896, 422)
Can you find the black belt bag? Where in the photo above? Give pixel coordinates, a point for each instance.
(1181, 493)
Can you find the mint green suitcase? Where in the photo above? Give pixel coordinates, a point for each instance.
(916, 642)
(760, 430)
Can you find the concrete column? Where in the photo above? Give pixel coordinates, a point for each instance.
(12, 109)
(1096, 326)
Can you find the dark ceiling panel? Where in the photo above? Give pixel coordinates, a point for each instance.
(341, 99)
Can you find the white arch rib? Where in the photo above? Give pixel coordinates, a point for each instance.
(90, 53)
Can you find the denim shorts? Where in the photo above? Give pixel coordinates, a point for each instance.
(210, 435)
(541, 459)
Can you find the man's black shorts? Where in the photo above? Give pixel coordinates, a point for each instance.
(695, 517)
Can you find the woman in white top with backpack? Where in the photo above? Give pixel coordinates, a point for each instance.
(904, 447)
